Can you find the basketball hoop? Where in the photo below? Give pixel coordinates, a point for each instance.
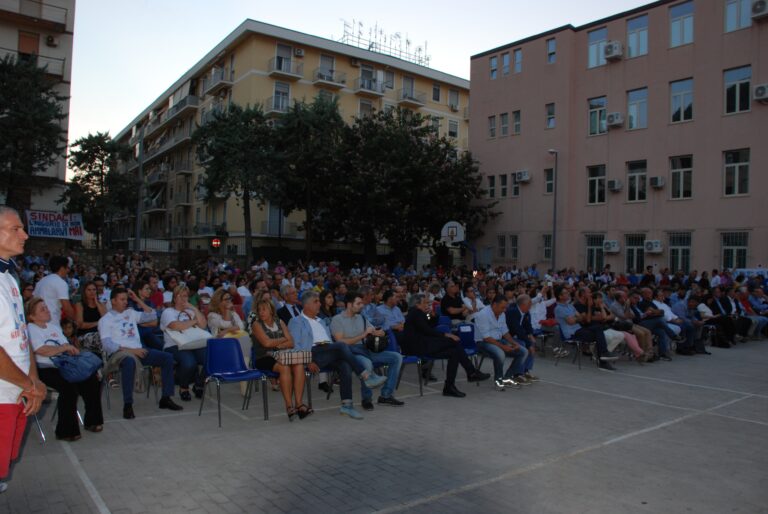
(452, 232)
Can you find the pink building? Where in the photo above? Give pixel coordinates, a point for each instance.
(656, 121)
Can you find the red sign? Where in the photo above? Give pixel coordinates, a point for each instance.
(215, 242)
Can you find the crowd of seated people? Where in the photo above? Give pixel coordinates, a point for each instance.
(125, 311)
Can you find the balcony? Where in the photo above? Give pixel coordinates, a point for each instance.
(187, 104)
(181, 167)
(182, 199)
(276, 105)
(411, 98)
(155, 205)
(210, 229)
(46, 16)
(166, 143)
(52, 65)
(157, 178)
(329, 78)
(286, 68)
(180, 231)
(218, 79)
(369, 87)
(209, 115)
(289, 229)
(466, 113)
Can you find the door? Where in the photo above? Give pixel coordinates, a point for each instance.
(29, 43)
(284, 56)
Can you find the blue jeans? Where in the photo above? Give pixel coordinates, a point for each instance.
(154, 358)
(392, 360)
(151, 337)
(526, 343)
(186, 364)
(339, 357)
(498, 355)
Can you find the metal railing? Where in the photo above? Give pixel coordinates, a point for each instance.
(202, 229)
(286, 65)
(279, 103)
(411, 95)
(51, 65)
(326, 75)
(157, 177)
(33, 9)
(218, 77)
(372, 85)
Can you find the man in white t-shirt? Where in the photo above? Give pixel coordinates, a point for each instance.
(21, 392)
(54, 290)
(118, 330)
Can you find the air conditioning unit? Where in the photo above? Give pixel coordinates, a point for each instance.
(653, 246)
(522, 176)
(454, 107)
(657, 182)
(615, 119)
(354, 62)
(299, 52)
(611, 246)
(760, 93)
(615, 185)
(52, 41)
(613, 51)
(759, 9)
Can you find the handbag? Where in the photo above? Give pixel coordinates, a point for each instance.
(289, 358)
(189, 339)
(77, 368)
(374, 343)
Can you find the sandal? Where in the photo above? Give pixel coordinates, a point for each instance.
(304, 411)
(291, 413)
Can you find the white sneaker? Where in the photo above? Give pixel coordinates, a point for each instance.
(3, 487)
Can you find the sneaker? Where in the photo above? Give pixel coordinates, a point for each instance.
(367, 404)
(520, 379)
(391, 401)
(167, 403)
(348, 410)
(3, 487)
(499, 384)
(373, 381)
(607, 366)
(510, 382)
(531, 377)
(609, 356)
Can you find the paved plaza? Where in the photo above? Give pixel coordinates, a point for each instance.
(670, 437)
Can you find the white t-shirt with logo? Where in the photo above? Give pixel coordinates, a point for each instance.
(53, 289)
(121, 328)
(49, 336)
(13, 334)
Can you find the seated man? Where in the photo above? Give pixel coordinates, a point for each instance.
(688, 312)
(569, 320)
(518, 318)
(759, 321)
(677, 324)
(452, 306)
(494, 340)
(309, 333)
(759, 302)
(119, 335)
(351, 327)
(648, 316)
(621, 309)
(390, 314)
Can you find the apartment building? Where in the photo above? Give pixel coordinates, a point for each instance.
(43, 31)
(644, 132)
(271, 66)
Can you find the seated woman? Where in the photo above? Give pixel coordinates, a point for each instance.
(223, 321)
(181, 316)
(269, 333)
(419, 338)
(88, 312)
(47, 341)
(327, 306)
(151, 336)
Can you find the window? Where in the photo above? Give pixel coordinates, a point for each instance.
(325, 95)
(680, 252)
(595, 258)
(597, 116)
(435, 92)
(547, 245)
(549, 181)
(389, 79)
(681, 24)
(280, 101)
(513, 247)
(491, 126)
(366, 108)
(503, 186)
(635, 253)
(518, 60)
(551, 51)
(501, 246)
(515, 192)
(493, 63)
(636, 181)
(436, 124)
(550, 116)
(681, 92)
(737, 89)
(453, 98)
(597, 41)
(637, 36)
(681, 177)
(734, 246)
(516, 122)
(596, 184)
(504, 123)
(505, 63)
(736, 172)
(491, 186)
(738, 14)
(637, 109)
(453, 128)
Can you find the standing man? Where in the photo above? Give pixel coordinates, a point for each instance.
(54, 290)
(21, 392)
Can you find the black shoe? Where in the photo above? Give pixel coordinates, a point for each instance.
(450, 390)
(198, 390)
(665, 357)
(703, 352)
(185, 396)
(324, 387)
(167, 403)
(128, 411)
(477, 376)
(429, 377)
(367, 404)
(685, 351)
(392, 401)
(606, 366)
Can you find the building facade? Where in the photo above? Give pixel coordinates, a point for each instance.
(44, 31)
(272, 66)
(644, 132)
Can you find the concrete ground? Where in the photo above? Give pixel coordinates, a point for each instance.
(669, 437)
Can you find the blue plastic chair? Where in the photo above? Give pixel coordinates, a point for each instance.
(225, 364)
(392, 346)
(466, 333)
(444, 320)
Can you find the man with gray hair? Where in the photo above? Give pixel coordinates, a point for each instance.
(518, 317)
(291, 308)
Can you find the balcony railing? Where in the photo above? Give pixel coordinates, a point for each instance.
(180, 231)
(157, 177)
(210, 114)
(279, 104)
(180, 167)
(411, 97)
(218, 79)
(368, 86)
(286, 67)
(183, 198)
(51, 65)
(167, 143)
(53, 14)
(152, 205)
(330, 78)
(206, 229)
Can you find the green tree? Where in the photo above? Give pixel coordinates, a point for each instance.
(31, 135)
(237, 150)
(98, 189)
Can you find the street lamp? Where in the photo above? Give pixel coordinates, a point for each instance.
(552, 151)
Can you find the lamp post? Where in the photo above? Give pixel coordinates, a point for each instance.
(137, 238)
(552, 151)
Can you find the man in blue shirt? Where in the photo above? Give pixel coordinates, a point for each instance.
(518, 319)
(569, 320)
(493, 339)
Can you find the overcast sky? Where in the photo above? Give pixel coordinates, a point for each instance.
(128, 52)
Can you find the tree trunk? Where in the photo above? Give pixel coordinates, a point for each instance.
(248, 229)
(19, 197)
(369, 245)
(308, 227)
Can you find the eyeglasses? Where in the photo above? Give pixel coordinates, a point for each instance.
(227, 299)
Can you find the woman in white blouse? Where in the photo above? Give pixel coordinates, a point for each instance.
(48, 341)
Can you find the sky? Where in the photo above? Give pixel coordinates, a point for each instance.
(126, 53)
